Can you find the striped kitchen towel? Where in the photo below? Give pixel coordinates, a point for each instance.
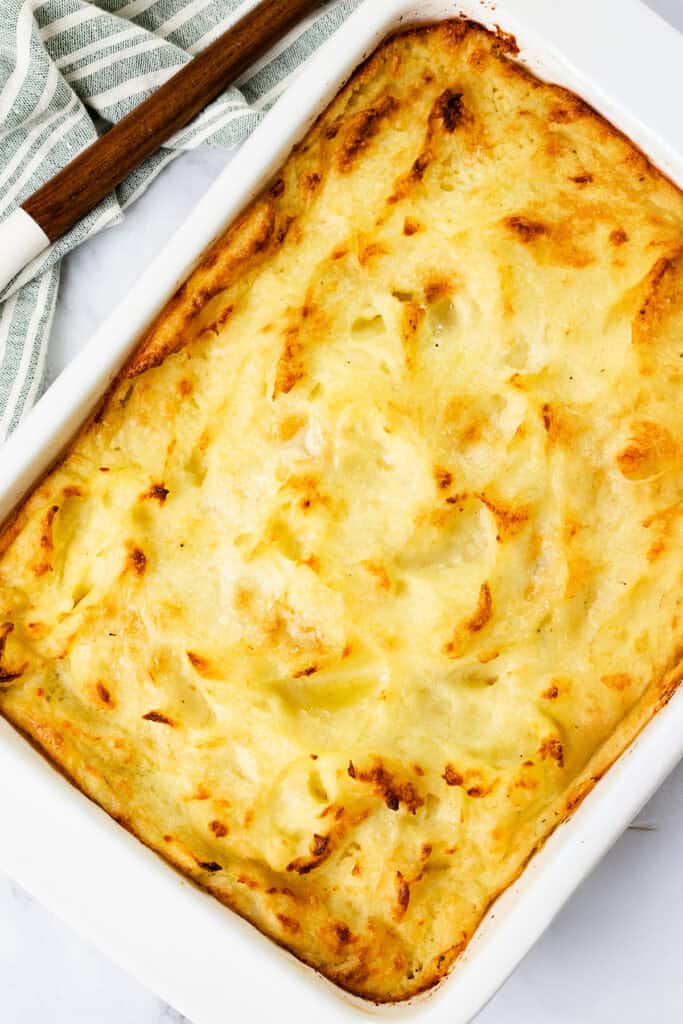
(68, 70)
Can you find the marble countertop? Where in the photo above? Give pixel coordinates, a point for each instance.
(614, 951)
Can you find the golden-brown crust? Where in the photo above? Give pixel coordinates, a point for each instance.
(358, 243)
(246, 241)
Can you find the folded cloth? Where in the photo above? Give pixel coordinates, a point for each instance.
(68, 70)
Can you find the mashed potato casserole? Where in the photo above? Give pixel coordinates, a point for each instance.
(370, 563)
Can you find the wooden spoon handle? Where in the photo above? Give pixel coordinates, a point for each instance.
(83, 183)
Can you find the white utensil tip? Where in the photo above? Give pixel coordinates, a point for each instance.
(21, 240)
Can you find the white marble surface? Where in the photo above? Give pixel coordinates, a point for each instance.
(612, 954)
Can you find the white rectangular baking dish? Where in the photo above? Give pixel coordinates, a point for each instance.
(68, 853)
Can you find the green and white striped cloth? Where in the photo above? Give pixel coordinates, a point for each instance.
(68, 70)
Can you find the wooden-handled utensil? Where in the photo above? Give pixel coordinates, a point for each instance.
(82, 184)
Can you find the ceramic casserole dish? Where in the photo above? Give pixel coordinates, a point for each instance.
(199, 957)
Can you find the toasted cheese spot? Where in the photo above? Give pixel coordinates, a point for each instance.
(478, 58)
(304, 672)
(289, 924)
(157, 492)
(277, 189)
(477, 792)
(525, 782)
(670, 683)
(343, 933)
(582, 179)
(310, 181)
(618, 236)
(665, 517)
(290, 367)
(361, 130)
(618, 681)
(185, 387)
(8, 675)
(393, 791)
(505, 44)
(220, 321)
(319, 845)
(474, 624)
(211, 866)
(483, 612)
(468, 418)
(308, 486)
(136, 560)
(320, 849)
(200, 793)
(509, 520)
(661, 290)
(663, 523)
(417, 171)
(405, 184)
(199, 662)
(579, 795)
(552, 693)
(46, 543)
(332, 129)
(559, 422)
(443, 477)
(570, 110)
(524, 228)
(104, 694)
(438, 288)
(449, 109)
(158, 717)
(368, 252)
(402, 897)
(451, 776)
(411, 318)
(552, 748)
(547, 416)
(410, 226)
(5, 629)
(650, 450)
(380, 573)
(72, 491)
